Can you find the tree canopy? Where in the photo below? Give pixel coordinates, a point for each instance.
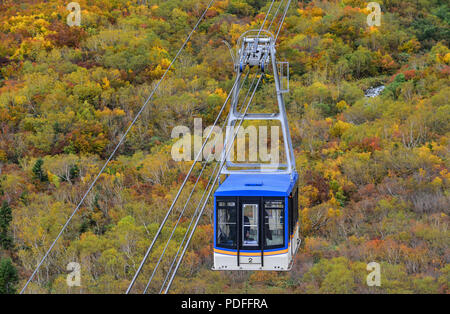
(374, 172)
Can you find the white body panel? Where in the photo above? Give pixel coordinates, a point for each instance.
(252, 261)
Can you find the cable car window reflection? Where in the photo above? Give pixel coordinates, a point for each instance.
(273, 227)
(273, 223)
(226, 235)
(250, 224)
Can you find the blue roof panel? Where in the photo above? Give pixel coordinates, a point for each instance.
(257, 185)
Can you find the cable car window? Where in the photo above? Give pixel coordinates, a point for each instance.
(250, 224)
(226, 233)
(273, 227)
(273, 223)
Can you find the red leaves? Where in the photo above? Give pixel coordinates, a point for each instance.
(320, 183)
(368, 144)
(371, 144)
(445, 70)
(409, 74)
(211, 13)
(66, 35)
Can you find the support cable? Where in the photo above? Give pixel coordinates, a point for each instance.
(184, 207)
(222, 162)
(189, 227)
(115, 149)
(206, 188)
(248, 93)
(280, 26)
(212, 187)
(264, 22)
(275, 15)
(173, 231)
(178, 195)
(255, 46)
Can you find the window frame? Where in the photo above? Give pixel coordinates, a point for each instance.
(283, 222)
(261, 221)
(256, 223)
(235, 208)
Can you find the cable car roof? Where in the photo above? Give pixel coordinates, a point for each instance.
(257, 185)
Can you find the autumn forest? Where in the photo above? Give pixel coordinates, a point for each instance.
(374, 180)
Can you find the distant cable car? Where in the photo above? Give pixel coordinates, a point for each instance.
(256, 207)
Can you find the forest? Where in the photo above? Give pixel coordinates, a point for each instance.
(374, 171)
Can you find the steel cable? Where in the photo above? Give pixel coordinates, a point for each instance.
(275, 15)
(184, 208)
(212, 187)
(280, 25)
(115, 149)
(206, 188)
(177, 196)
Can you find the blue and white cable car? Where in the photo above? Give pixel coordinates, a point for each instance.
(256, 206)
(256, 225)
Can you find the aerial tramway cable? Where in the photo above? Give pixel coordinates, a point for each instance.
(182, 186)
(279, 27)
(183, 210)
(211, 188)
(179, 218)
(116, 148)
(265, 19)
(177, 196)
(212, 174)
(282, 19)
(276, 13)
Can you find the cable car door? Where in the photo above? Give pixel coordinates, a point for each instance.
(250, 238)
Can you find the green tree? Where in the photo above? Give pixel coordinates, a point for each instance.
(5, 220)
(38, 172)
(8, 277)
(337, 275)
(74, 172)
(393, 89)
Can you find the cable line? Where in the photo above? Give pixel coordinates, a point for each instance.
(178, 195)
(217, 175)
(187, 230)
(282, 19)
(264, 22)
(276, 13)
(210, 153)
(116, 148)
(185, 205)
(212, 187)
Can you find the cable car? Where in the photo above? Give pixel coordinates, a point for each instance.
(256, 206)
(256, 225)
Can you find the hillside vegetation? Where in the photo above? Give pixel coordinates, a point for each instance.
(374, 172)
